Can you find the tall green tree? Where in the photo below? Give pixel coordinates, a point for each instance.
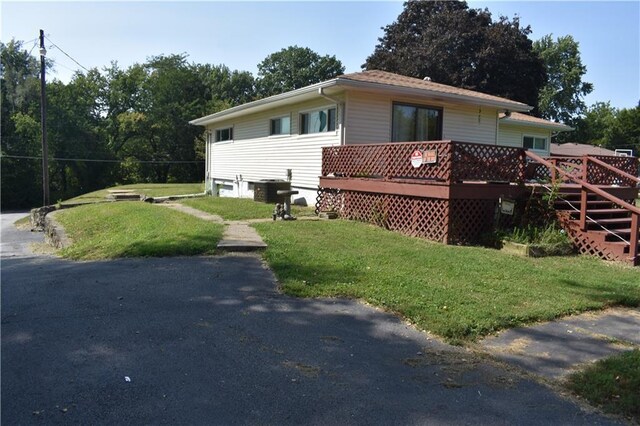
(293, 68)
(455, 45)
(226, 88)
(76, 130)
(562, 97)
(21, 179)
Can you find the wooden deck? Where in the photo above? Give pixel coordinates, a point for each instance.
(449, 191)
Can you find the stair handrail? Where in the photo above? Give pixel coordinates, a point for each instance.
(609, 167)
(585, 186)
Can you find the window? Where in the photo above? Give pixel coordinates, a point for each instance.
(318, 121)
(224, 134)
(415, 123)
(532, 142)
(281, 126)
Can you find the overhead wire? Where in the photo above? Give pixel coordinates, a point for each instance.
(66, 54)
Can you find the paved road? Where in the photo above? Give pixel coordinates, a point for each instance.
(209, 340)
(13, 242)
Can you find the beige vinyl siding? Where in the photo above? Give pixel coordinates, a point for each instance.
(256, 156)
(369, 119)
(470, 124)
(512, 134)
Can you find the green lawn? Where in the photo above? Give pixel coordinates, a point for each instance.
(240, 208)
(612, 383)
(130, 229)
(148, 189)
(460, 293)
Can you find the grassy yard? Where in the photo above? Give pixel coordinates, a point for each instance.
(130, 229)
(612, 383)
(460, 293)
(148, 189)
(239, 208)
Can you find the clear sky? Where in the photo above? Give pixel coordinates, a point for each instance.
(242, 34)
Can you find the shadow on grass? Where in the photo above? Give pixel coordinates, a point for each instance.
(604, 294)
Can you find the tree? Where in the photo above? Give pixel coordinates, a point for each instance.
(626, 130)
(293, 68)
(609, 127)
(594, 127)
(458, 46)
(226, 88)
(20, 127)
(561, 98)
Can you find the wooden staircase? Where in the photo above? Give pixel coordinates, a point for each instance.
(608, 229)
(601, 220)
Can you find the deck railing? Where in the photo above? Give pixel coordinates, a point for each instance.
(600, 170)
(453, 162)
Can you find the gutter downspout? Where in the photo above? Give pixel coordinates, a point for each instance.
(341, 105)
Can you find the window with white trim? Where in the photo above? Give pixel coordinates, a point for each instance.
(318, 121)
(280, 126)
(534, 142)
(225, 134)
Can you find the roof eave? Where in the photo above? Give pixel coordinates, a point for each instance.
(551, 126)
(507, 105)
(228, 113)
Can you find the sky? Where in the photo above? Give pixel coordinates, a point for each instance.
(241, 34)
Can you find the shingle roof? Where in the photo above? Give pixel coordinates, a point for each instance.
(370, 80)
(396, 80)
(570, 149)
(517, 117)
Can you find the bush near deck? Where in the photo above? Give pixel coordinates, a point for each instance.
(459, 293)
(131, 229)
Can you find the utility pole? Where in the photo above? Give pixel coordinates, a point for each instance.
(43, 123)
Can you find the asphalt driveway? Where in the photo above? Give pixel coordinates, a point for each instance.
(210, 340)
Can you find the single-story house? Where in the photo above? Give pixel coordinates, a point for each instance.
(571, 149)
(272, 137)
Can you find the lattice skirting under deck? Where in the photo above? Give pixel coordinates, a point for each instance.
(447, 221)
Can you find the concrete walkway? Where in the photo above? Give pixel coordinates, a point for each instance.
(555, 349)
(238, 235)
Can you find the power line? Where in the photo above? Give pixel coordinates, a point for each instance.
(62, 65)
(30, 157)
(35, 43)
(68, 56)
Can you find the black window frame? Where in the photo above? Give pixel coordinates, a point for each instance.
(272, 126)
(219, 136)
(439, 128)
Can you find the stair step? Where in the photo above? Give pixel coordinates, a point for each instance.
(615, 222)
(625, 246)
(591, 204)
(597, 215)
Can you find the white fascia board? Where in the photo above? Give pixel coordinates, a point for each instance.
(558, 127)
(433, 94)
(298, 95)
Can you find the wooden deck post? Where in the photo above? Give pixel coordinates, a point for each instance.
(584, 194)
(633, 238)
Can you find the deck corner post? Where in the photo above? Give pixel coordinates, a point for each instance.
(633, 238)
